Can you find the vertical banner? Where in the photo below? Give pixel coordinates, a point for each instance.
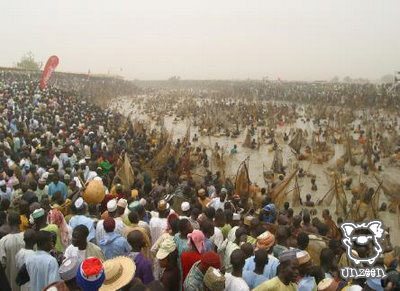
(51, 65)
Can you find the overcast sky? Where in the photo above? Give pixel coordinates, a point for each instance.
(207, 39)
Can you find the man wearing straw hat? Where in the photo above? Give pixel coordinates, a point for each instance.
(119, 272)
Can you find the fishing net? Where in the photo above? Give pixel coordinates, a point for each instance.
(242, 183)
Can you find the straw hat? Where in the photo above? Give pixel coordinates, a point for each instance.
(119, 272)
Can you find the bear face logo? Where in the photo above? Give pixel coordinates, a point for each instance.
(352, 235)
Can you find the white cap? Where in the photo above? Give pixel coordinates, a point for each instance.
(185, 206)
(2, 183)
(79, 203)
(112, 205)
(122, 203)
(143, 202)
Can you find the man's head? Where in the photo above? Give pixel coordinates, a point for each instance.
(185, 227)
(209, 212)
(281, 234)
(133, 217)
(303, 240)
(297, 221)
(207, 227)
(240, 232)
(13, 219)
(306, 218)
(288, 269)
(286, 205)
(247, 249)
(79, 236)
(44, 241)
(56, 178)
(185, 207)
(323, 229)
(136, 240)
(290, 212)
(223, 194)
(112, 207)
(326, 214)
(237, 260)
(109, 224)
(29, 238)
(261, 258)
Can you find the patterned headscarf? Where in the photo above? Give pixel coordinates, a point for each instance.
(56, 217)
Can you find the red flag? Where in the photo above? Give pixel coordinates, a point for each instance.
(51, 65)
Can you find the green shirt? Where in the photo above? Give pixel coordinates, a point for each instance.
(225, 230)
(54, 228)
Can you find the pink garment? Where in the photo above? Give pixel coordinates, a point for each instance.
(56, 217)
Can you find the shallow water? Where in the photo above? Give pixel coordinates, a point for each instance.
(263, 156)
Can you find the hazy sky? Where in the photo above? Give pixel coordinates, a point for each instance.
(207, 39)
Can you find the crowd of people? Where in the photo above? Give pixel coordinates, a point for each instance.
(54, 143)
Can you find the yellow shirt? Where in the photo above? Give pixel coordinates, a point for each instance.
(275, 285)
(24, 223)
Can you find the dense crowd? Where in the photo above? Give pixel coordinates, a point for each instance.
(54, 143)
(363, 95)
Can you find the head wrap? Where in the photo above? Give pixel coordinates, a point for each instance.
(197, 238)
(56, 217)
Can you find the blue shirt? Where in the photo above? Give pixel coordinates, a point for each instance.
(86, 221)
(269, 269)
(114, 245)
(59, 187)
(307, 283)
(252, 279)
(42, 269)
(209, 245)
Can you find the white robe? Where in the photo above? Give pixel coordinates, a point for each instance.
(9, 247)
(20, 259)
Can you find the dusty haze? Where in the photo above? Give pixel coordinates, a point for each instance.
(207, 39)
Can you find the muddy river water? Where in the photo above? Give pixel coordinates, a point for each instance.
(264, 156)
